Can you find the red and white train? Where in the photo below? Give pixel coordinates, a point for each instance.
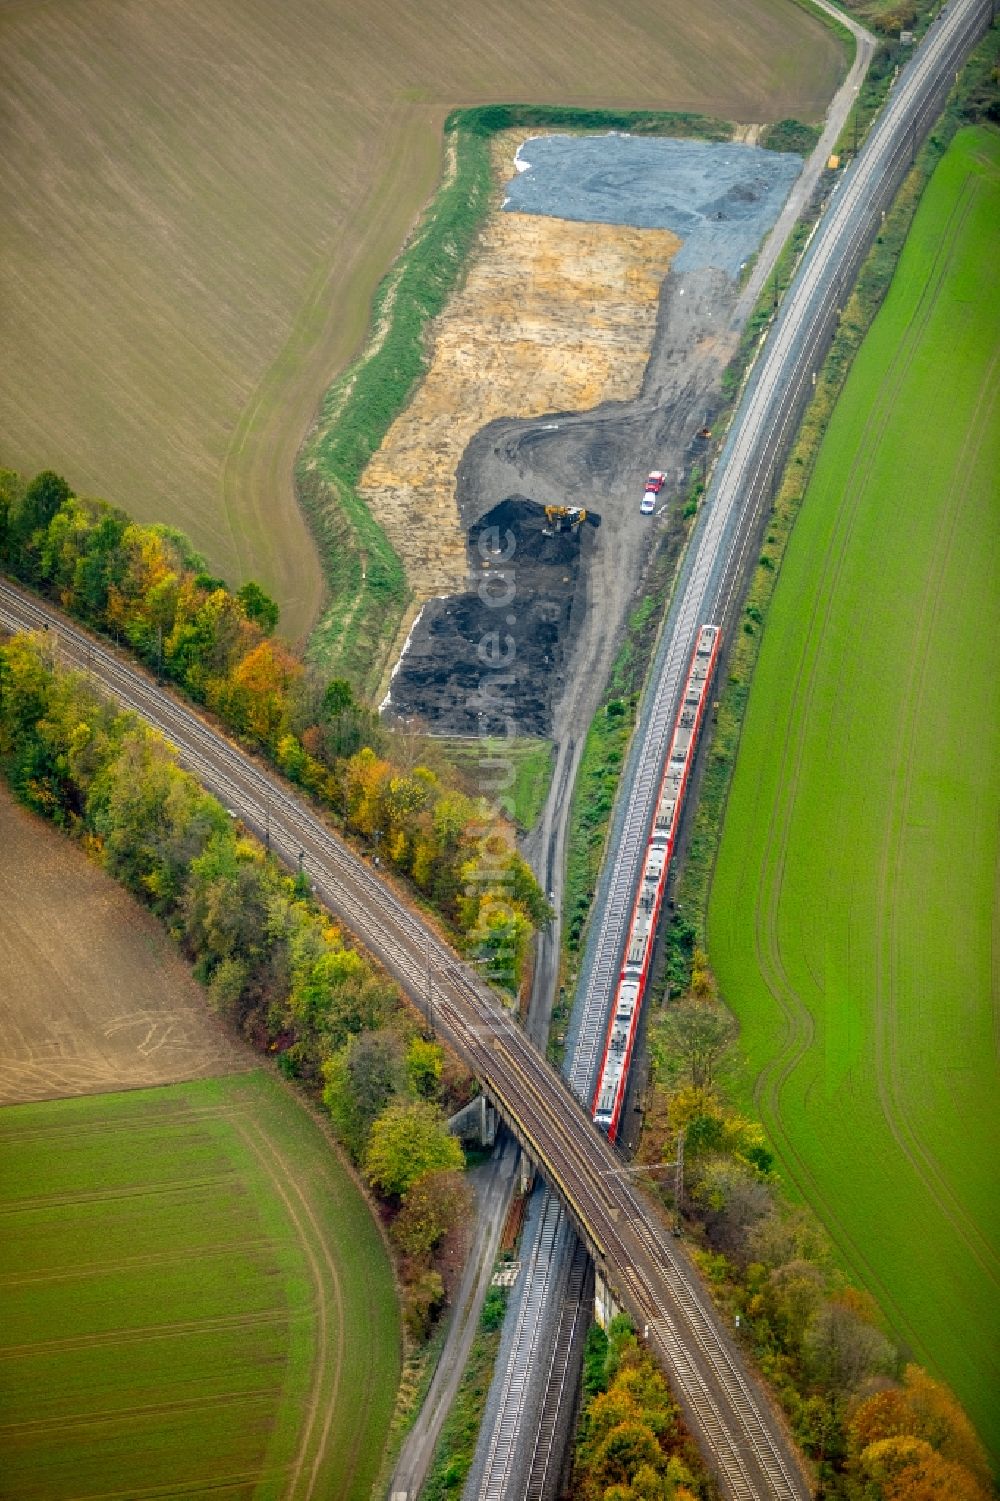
(609, 1095)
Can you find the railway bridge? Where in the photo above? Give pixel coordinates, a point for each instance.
(648, 1272)
(638, 1259)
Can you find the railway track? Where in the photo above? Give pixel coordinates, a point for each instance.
(648, 1271)
(547, 1452)
(761, 433)
(723, 546)
(725, 1408)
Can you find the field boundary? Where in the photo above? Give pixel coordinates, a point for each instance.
(369, 592)
(871, 286)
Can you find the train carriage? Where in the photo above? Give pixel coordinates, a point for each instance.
(609, 1095)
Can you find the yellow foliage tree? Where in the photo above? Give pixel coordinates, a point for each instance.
(363, 782)
(925, 1409)
(257, 694)
(909, 1469)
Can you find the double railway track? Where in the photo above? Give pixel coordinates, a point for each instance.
(647, 1270)
(638, 1258)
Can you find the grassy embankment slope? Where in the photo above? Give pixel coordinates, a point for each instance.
(196, 1299)
(486, 764)
(198, 204)
(851, 914)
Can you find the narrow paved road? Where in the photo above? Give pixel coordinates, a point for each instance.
(727, 1410)
(725, 1407)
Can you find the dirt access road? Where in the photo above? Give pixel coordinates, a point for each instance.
(600, 458)
(683, 393)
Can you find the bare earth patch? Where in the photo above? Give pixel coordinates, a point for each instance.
(198, 202)
(554, 316)
(93, 996)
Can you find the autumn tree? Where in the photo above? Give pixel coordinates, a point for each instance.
(138, 805)
(909, 1469)
(629, 1432)
(628, 1448)
(500, 939)
(225, 905)
(791, 1296)
(434, 1203)
(423, 1296)
(12, 488)
(920, 1408)
(408, 1140)
(345, 724)
(258, 606)
(703, 987)
(699, 1035)
(424, 1066)
(32, 512)
(733, 1201)
(843, 1349)
(255, 694)
(360, 1081)
(364, 777)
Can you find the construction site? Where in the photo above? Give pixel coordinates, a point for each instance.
(599, 308)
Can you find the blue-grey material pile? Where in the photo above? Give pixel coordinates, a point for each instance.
(720, 198)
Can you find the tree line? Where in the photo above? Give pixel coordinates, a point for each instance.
(274, 964)
(876, 1428)
(632, 1444)
(149, 589)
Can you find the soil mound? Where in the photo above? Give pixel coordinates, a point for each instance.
(491, 660)
(720, 197)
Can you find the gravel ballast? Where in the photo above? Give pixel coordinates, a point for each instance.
(720, 198)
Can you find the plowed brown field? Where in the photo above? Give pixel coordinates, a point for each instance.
(93, 996)
(198, 202)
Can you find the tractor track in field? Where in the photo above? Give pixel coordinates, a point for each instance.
(145, 1332)
(106, 1195)
(116, 1414)
(799, 1021)
(246, 1484)
(904, 1132)
(138, 1124)
(82, 1270)
(285, 1184)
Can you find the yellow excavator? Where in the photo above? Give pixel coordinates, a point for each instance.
(564, 518)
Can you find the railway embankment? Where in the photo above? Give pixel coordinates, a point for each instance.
(973, 98)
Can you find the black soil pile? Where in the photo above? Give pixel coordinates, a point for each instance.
(492, 661)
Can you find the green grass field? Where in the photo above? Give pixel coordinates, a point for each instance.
(196, 1300)
(486, 764)
(851, 920)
